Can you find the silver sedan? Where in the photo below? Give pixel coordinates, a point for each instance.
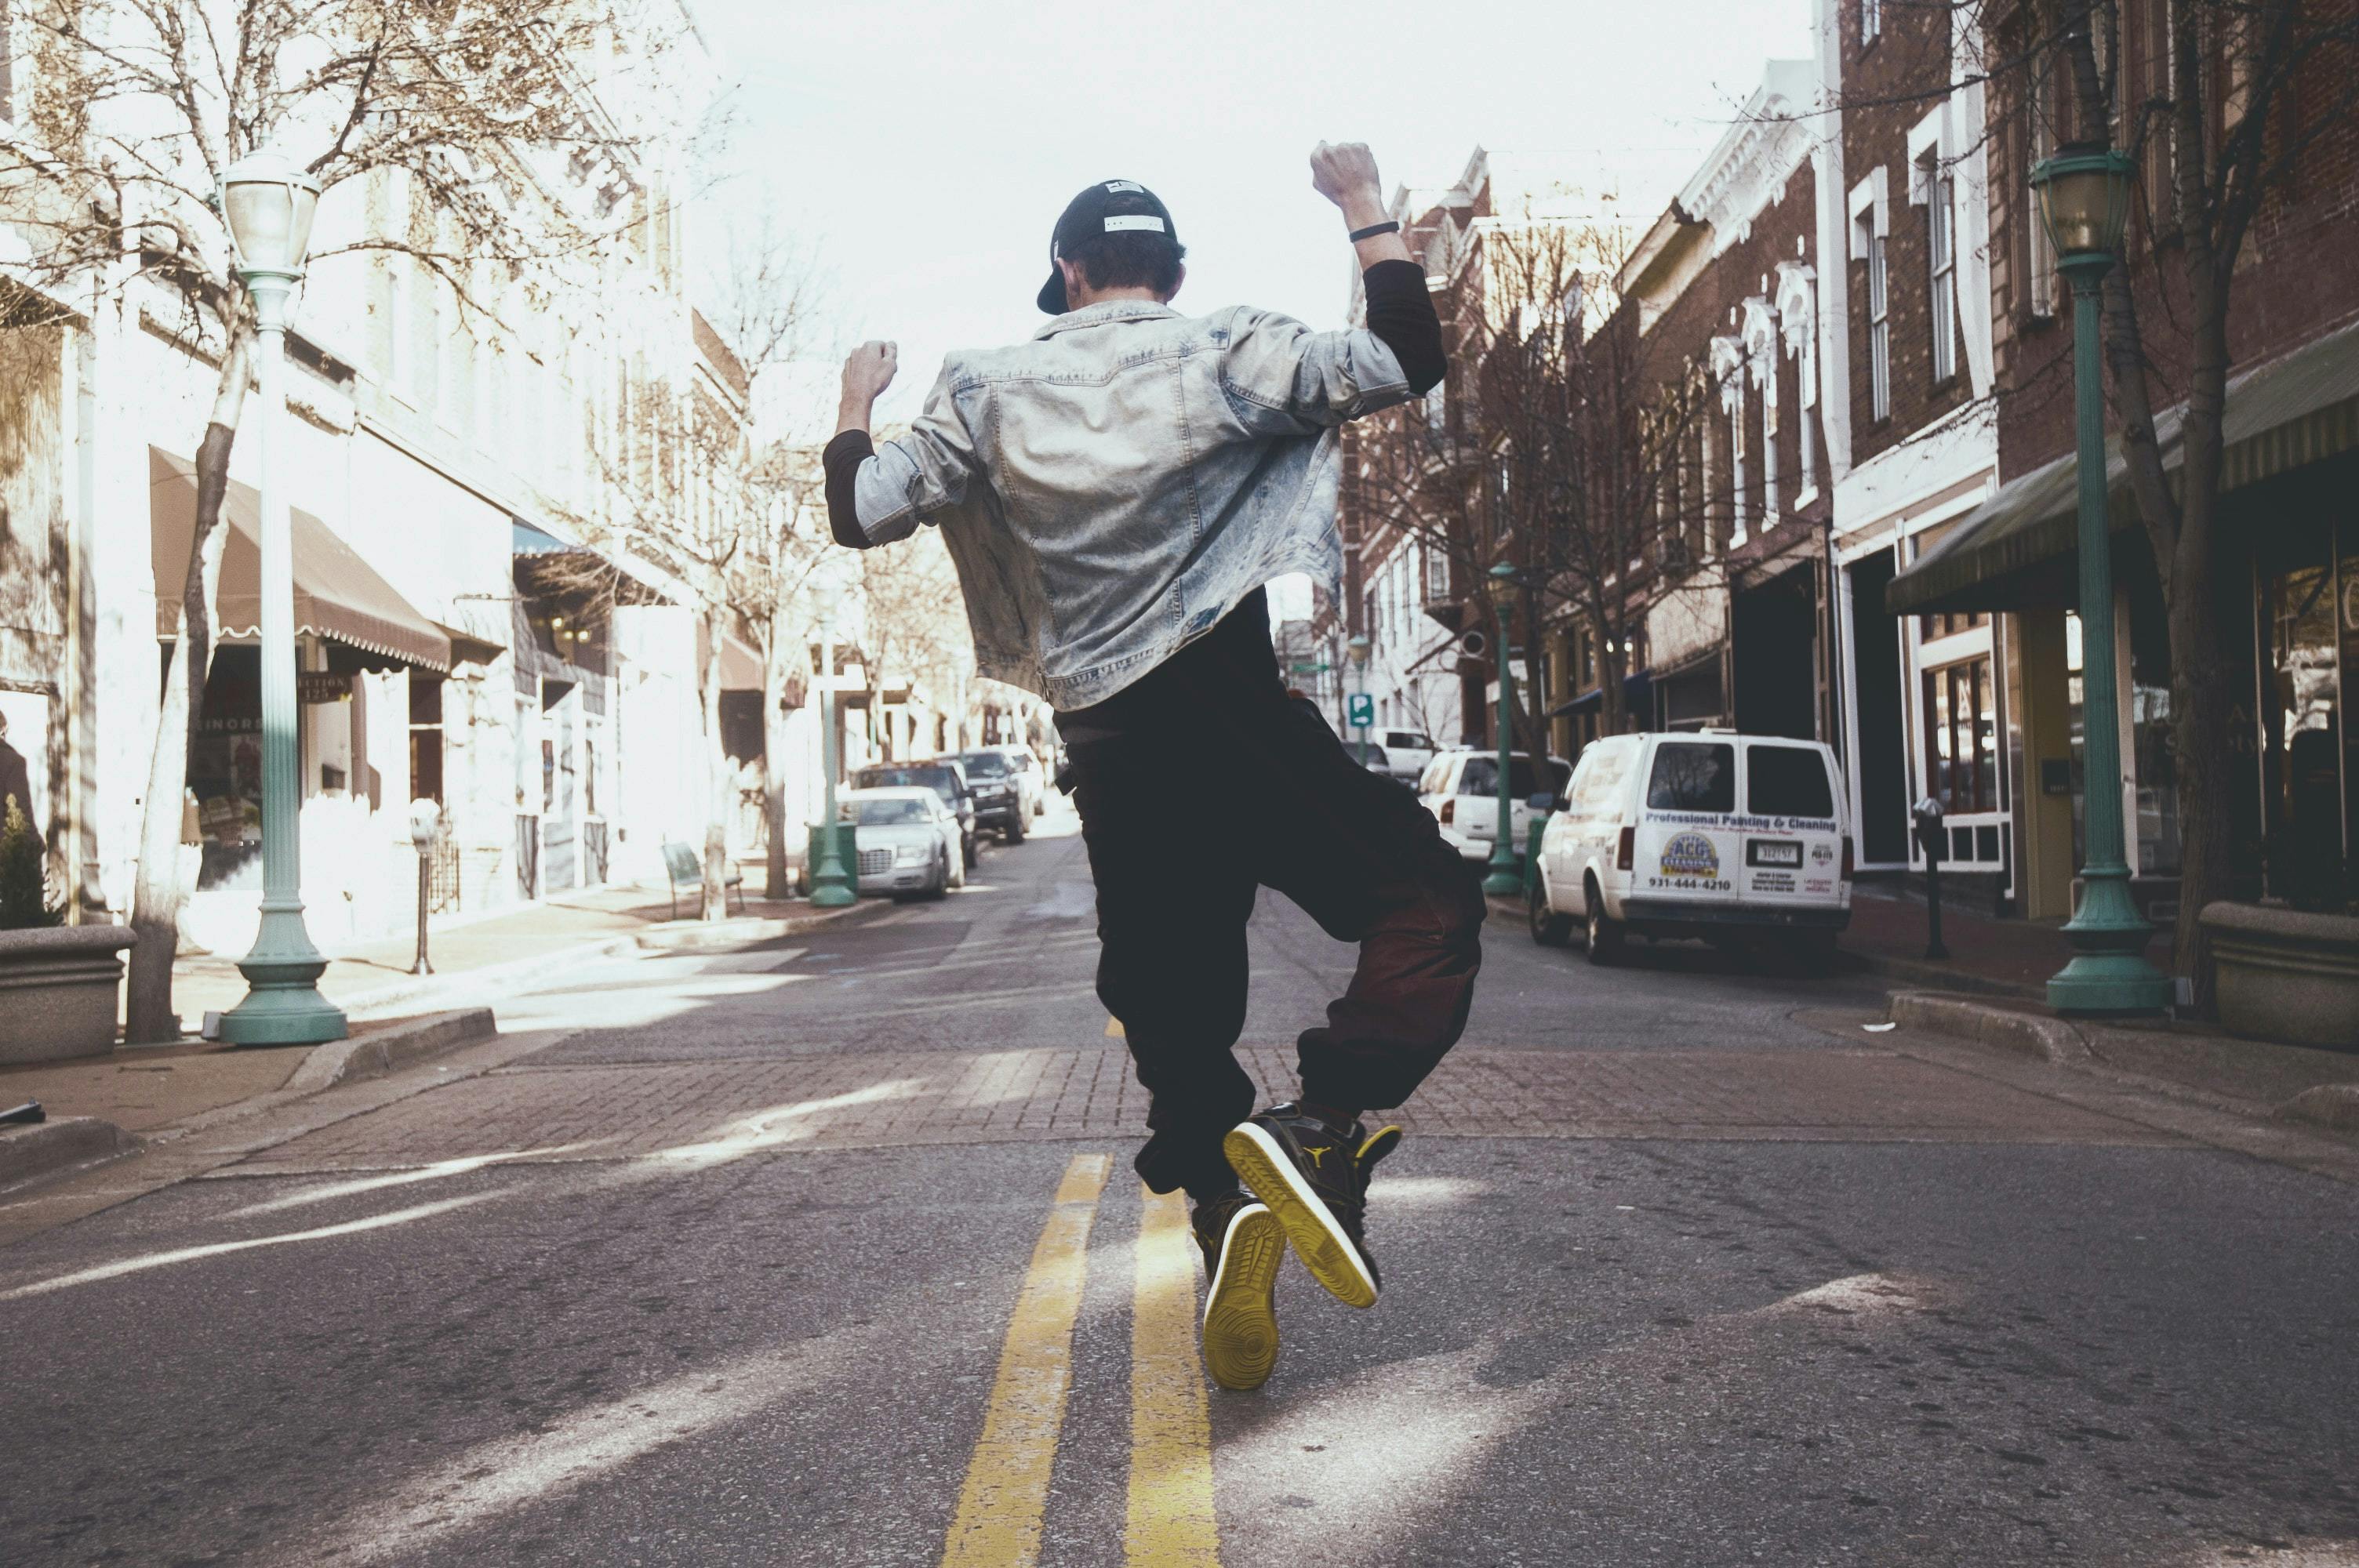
(906, 841)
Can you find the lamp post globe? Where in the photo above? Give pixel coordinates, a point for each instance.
(1507, 872)
(268, 202)
(2083, 196)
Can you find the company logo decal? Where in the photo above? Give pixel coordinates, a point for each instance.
(1822, 854)
(1690, 855)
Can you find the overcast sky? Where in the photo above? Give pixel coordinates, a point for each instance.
(927, 147)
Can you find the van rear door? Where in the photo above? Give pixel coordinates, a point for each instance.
(1685, 846)
(1792, 852)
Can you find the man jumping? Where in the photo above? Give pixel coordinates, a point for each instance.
(1115, 494)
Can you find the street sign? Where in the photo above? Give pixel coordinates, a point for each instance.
(1302, 669)
(1362, 709)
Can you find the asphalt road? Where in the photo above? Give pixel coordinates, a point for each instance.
(830, 1253)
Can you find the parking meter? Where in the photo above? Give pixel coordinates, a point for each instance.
(425, 822)
(1933, 839)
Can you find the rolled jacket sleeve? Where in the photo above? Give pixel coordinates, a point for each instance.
(1282, 378)
(891, 489)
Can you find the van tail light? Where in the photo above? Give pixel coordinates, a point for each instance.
(1846, 870)
(1450, 811)
(1625, 853)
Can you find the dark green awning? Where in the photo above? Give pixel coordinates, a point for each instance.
(2298, 408)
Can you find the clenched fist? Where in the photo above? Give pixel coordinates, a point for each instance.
(1344, 173)
(869, 370)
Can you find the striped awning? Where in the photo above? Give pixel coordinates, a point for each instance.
(2298, 408)
(338, 595)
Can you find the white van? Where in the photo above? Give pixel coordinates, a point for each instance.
(1703, 834)
(1461, 787)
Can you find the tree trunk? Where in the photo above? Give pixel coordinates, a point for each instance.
(776, 884)
(714, 904)
(156, 893)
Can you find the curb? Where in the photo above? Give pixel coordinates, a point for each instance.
(427, 984)
(382, 1051)
(2049, 1039)
(48, 1149)
(746, 931)
(1925, 972)
(2324, 1105)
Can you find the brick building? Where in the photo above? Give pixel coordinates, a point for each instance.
(2286, 567)
(1723, 284)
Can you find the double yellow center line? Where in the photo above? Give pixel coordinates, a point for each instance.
(1170, 1521)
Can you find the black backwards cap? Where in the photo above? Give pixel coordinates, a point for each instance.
(1109, 207)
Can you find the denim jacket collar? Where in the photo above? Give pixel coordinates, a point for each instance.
(1103, 312)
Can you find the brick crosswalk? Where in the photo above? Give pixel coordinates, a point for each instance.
(532, 1113)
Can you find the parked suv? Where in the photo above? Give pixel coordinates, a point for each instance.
(1407, 752)
(946, 776)
(1711, 835)
(1461, 787)
(998, 793)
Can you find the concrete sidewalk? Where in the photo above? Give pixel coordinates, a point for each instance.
(1987, 955)
(151, 1090)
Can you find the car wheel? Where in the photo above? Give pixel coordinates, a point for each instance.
(1604, 931)
(1015, 832)
(970, 851)
(1550, 929)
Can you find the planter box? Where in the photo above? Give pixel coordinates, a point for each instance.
(58, 991)
(2285, 975)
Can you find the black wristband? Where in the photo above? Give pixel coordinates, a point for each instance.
(1373, 230)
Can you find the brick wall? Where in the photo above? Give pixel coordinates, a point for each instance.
(1889, 83)
(2297, 276)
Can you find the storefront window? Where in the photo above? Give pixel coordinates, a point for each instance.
(2075, 713)
(2154, 765)
(225, 771)
(1961, 737)
(2302, 731)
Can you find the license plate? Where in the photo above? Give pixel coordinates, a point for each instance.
(1772, 852)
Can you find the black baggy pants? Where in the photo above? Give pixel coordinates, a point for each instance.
(1216, 784)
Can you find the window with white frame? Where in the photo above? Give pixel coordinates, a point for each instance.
(2040, 144)
(1737, 466)
(1941, 243)
(1879, 334)
(1871, 19)
(399, 360)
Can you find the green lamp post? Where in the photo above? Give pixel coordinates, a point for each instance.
(2085, 195)
(831, 885)
(268, 200)
(1506, 868)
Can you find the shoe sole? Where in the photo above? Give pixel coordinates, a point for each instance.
(1240, 1308)
(1262, 1164)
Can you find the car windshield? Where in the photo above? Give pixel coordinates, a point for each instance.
(935, 779)
(1693, 776)
(1408, 740)
(1366, 752)
(1787, 781)
(1482, 777)
(893, 812)
(986, 765)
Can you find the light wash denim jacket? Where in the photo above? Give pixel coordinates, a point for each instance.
(1112, 488)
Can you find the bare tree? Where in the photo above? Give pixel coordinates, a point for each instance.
(2226, 106)
(483, 113)
(915, 621)
(1556, 450)
(2227, 122)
